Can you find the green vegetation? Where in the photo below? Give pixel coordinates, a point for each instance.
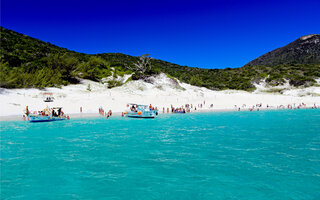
(242, 78)
(27, 62)
(113, 83)
(89, 87)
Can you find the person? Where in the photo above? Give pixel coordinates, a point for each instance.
(27, 111)
(24, 118)
(133, 108)
(81, 109)
(54, 114)
(122, 114)
(109, 114)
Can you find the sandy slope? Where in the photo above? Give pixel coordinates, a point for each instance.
(163, 92)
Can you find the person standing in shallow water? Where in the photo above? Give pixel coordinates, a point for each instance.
(110, 113)
(27, 112)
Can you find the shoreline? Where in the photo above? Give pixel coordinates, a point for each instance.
(78, 102)
(118, 114)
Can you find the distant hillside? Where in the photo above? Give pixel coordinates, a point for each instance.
(27, 62)
(305, 50)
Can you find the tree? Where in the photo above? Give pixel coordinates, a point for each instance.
(144, 64)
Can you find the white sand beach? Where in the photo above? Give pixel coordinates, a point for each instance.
(161, 93)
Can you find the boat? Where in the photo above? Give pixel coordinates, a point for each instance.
(139, 111)
(179, 110)
(39, 118)
(47, 115)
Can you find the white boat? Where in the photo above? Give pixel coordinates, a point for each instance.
(139, 111)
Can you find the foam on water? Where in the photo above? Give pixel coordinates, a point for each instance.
(232, 155)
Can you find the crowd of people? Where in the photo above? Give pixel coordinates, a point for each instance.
(259, 106)
(103, 113)
(52, 112)
(186, 108)
(256, 107)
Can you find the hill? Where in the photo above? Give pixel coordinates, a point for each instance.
(304, 50)
(27, 62)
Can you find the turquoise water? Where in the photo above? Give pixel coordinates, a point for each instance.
(231, 155)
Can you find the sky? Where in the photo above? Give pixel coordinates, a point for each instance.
(202, 33)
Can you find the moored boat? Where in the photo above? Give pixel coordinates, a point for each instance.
(47, 115)
(179, 110)
(37, 118)
(139, 111)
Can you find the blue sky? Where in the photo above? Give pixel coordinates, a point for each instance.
(207, 34)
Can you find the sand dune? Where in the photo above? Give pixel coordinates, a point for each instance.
(160, 92)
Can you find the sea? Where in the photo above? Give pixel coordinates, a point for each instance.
(217, 155)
